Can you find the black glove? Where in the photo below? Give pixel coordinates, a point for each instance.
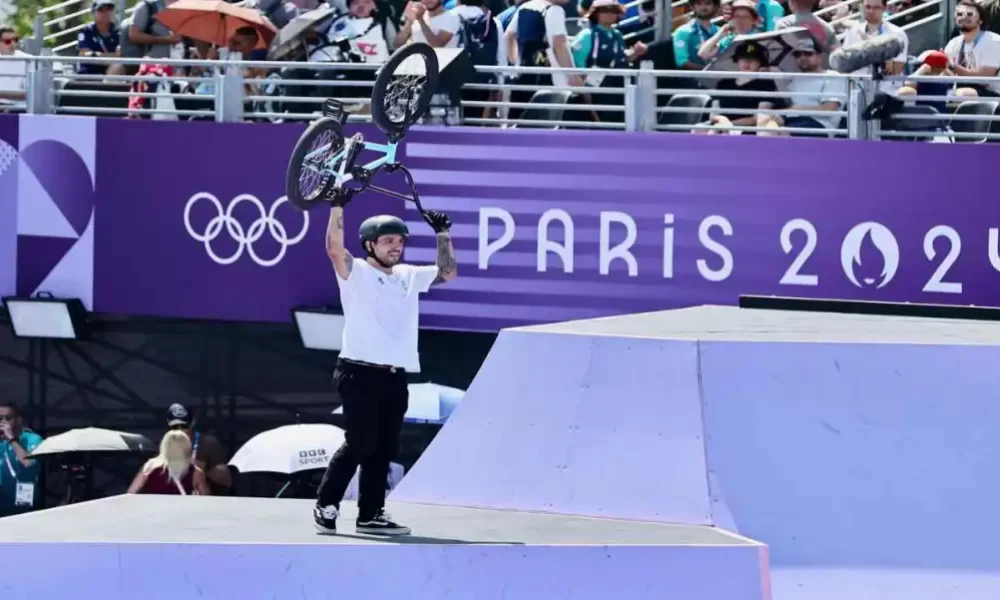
(438, 221)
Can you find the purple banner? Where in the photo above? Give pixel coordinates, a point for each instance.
(549, 225)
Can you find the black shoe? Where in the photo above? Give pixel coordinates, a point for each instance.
(325, 519)
(382, 524)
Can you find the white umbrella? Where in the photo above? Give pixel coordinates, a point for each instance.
(93, 439)
(429, 403)
(289, 449)
(292, 449)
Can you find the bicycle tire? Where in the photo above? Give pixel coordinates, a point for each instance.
(380, 117)
(302, 147)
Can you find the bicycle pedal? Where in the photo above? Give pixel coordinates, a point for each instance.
(334, 109)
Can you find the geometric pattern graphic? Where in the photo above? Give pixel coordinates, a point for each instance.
(55, 206)
(8, 204)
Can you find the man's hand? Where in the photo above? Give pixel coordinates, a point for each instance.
(7, 431)
(438, 221)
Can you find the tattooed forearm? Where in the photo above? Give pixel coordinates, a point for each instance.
(447, 264)
(342, 259)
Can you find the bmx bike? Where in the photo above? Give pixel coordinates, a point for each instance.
(323, 163)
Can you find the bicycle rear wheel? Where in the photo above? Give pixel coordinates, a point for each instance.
(404, 87)
(309, 177)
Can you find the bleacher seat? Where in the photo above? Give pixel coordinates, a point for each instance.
(985, 108)
(698, 103)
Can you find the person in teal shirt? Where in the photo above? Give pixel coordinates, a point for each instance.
(743, 20)
(18, 473)
(688, 38)
(600, 45)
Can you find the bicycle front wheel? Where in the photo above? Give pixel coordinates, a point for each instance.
(403, 88)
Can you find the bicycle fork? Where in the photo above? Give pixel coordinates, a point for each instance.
(353, 147)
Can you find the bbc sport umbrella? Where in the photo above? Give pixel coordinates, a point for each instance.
(293, 449)
(289, 449)
(93, 439)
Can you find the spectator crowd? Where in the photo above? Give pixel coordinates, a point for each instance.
(189, 462)
(564, 34)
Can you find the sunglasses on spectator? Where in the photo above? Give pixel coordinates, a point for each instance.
(801, 53)
(965, 15)
(8, 41)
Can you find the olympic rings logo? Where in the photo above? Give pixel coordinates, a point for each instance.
(245, 238)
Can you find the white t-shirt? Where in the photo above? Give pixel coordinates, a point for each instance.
(818, 90)
(555, 24)
(444, 21)
(381, 314)
(984, 51)
(13, 73)
(857, 33)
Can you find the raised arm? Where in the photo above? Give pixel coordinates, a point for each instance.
(339, 256)
(446, 263)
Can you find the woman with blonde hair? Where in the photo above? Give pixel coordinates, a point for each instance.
(172, 471)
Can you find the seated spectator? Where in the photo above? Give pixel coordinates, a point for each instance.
(767, 12)
(427, 21)
(810, 93)
(172, 472)
(13, 73)
(974, 52)
(873, 25)
(802, 16)
(19, 492)
(933, 63)
(743, 20)
(691, 36)
(732, 110)
(208, 453)
(100, 39)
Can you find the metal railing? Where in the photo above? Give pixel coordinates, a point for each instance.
(641, 100)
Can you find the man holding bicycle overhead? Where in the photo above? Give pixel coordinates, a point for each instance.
(379, 296)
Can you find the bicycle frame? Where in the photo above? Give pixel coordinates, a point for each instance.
(341, 166)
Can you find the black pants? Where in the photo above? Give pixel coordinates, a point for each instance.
(375, 400)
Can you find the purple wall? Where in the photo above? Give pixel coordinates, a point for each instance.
(381, 571)
(549, 226)
(858, 454)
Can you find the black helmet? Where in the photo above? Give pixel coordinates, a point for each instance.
(373, 227)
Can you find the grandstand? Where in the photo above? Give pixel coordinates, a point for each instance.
(653, 95)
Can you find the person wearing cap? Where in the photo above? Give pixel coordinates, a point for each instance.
(100, 38)
(734, 108)
(207, 451)
(933, 63)
(974, 52)
(873, 25)
(809, 93)
(743, 20)
(691, 36)
(380, 299)
(768, 12)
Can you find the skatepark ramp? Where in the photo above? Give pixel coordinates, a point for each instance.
(859, 448)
